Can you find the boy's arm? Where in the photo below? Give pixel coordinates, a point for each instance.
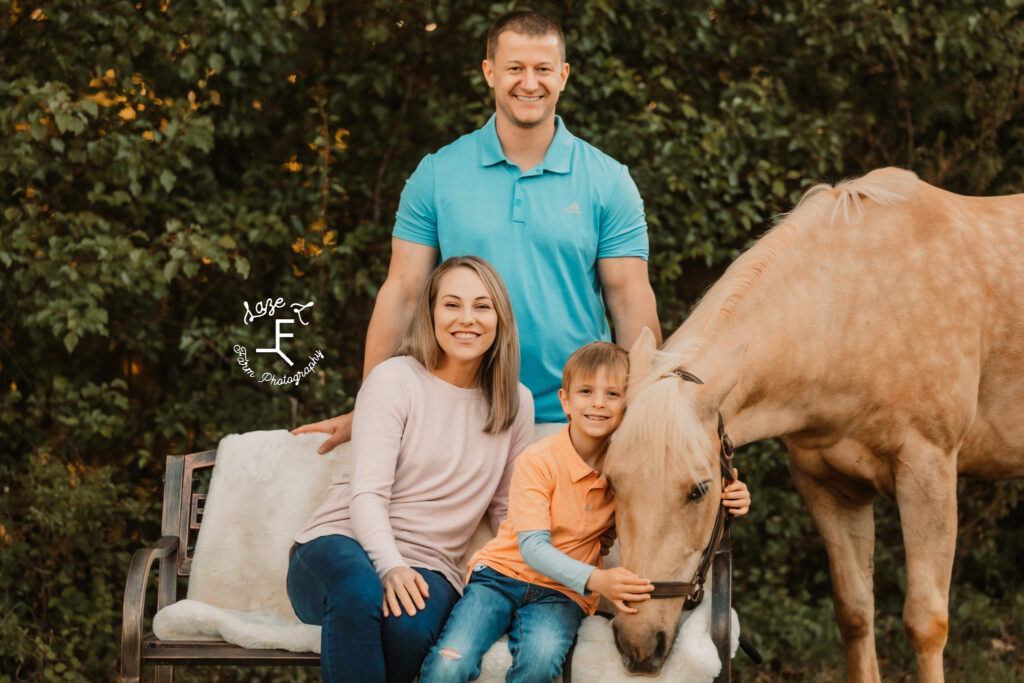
(618, 584)
(542, 556)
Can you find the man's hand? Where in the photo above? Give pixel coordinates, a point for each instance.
(404, 587)
(339, 428)
(620, 585)
(736, 496)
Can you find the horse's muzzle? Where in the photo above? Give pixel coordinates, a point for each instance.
(639, 658)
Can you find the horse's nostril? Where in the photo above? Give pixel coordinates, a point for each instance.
(627, 654)
(659, 647)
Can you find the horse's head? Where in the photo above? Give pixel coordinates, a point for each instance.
(663, 465)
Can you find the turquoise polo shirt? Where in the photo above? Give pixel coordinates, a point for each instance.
(543, 230)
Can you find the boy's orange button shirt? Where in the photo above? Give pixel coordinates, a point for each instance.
(552, 489)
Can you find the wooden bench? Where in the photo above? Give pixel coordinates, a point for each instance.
(182, 516)
(181, 520)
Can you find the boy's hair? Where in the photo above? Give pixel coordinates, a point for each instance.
(587, 360)
(527, 23)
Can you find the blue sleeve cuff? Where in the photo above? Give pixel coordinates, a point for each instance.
(536, 549)
(623, 223)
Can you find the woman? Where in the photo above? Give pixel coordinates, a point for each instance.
(435, 431)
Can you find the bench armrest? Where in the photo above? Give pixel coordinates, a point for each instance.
(135, 602)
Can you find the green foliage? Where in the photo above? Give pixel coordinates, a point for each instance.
(67, 541)
(164, 162)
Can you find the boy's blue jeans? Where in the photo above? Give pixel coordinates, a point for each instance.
(541, 624)
(332, 582)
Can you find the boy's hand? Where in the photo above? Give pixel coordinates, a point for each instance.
(404, 587)
(620, 585)
(736, 497)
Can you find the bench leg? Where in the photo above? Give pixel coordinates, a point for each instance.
(164, 674)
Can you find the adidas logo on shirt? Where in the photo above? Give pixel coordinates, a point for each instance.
(573, 208)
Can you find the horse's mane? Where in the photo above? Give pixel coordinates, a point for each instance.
(885, 186)
(821, 206)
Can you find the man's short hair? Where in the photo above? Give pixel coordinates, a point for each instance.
(587, 360)
(527, 23)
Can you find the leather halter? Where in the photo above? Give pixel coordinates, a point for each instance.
(693, 590)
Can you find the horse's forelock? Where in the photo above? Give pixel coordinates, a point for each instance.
(663, 434)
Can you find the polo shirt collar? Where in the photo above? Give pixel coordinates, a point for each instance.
(578, 469)
(558, 158)
(490, 145)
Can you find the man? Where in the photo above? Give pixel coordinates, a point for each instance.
(561, 221)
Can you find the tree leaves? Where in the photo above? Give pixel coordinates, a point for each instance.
(167, 179)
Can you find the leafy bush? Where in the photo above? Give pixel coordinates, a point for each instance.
(66, 534)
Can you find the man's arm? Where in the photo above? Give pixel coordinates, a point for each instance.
(411, 265)
(629, 298)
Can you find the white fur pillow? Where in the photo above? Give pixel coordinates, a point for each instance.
(264, 487)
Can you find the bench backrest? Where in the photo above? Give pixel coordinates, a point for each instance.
(183, 506)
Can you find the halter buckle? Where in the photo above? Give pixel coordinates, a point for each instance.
(695, 599)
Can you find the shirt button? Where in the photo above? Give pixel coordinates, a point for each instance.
(519, 202)
(588, 507)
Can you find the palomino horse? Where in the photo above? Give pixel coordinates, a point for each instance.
(878, 329)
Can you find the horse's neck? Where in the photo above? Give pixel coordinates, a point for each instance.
(769, 399)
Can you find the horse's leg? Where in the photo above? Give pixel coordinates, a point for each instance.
(847, 525)
(926, 494)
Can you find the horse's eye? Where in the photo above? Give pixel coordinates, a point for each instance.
(700, 490)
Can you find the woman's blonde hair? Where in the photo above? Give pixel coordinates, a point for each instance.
(498, 376)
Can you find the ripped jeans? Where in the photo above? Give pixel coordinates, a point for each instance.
(541, 624)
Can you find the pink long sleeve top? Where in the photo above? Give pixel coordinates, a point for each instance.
(424, 472)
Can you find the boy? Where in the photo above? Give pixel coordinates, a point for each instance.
(540, 576)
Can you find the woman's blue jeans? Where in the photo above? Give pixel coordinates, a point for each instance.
(331, 582)
(541, 624)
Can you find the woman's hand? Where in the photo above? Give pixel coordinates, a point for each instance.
(736, 497)
(339, 428)
(404, 587)
(620, 585)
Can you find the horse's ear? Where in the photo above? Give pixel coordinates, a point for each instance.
(717, 388)
(641, 353)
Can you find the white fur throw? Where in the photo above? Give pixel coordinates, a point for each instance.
(264, 487)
